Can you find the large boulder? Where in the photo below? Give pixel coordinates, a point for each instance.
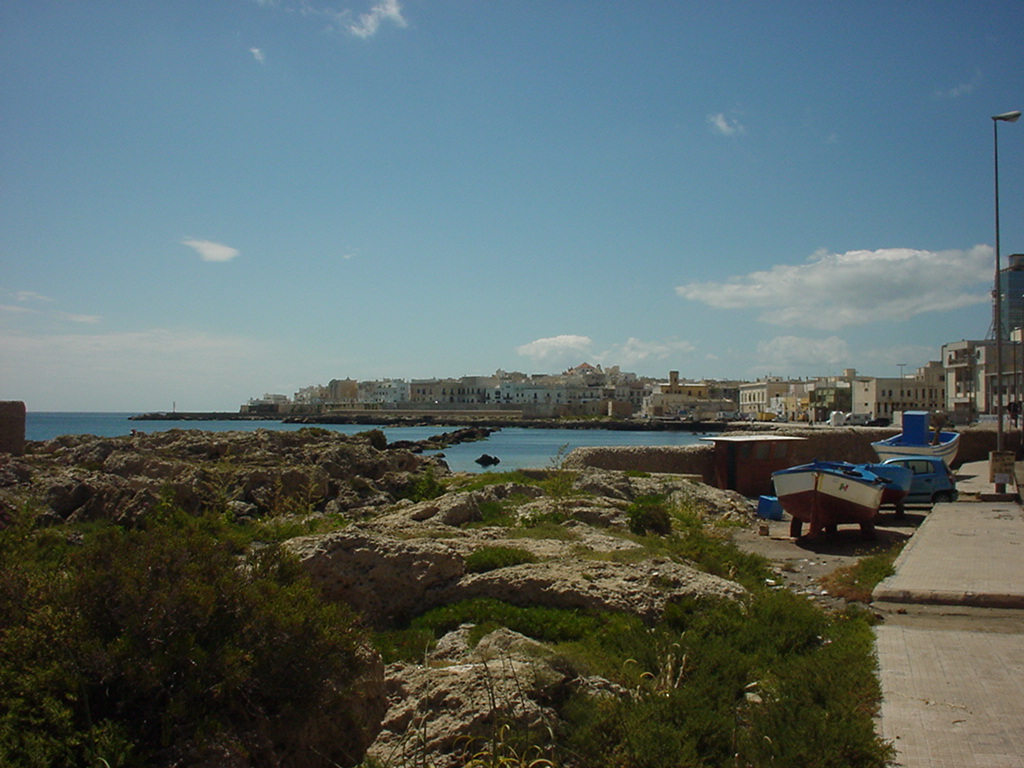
(385, 578)
(643, 588)
(271, 472)
(444, 711)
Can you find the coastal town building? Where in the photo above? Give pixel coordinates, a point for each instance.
(795, 405)
(342, 391)
(970, 377)
(313, 395)
(384, 391)
(1011, 285)
(961, 383)
(829, 394)
(758, 399)
(681, 399)
(924, 390)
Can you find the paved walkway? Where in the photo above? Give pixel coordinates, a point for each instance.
(951, 647)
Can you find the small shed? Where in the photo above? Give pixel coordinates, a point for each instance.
(744, 463)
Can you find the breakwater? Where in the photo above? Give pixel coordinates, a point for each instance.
(492, 419)
(203, 416)
(851, 444)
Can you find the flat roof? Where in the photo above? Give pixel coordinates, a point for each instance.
(751, 438)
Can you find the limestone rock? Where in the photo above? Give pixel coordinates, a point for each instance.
(385, 578)
(450, 509)
(643, 588)
(443, 712)
(123, 478)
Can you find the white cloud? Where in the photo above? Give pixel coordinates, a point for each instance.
(787, 353)
(635, 351)
(340, 19)
(73, 318)
(14, 309)
(568, 349)
(725, 126)
(836, 290)
(257, 53)
(211, 251)
(26, 296)
(556, 348)
(369, 23)
(31, 297)
(963, 89)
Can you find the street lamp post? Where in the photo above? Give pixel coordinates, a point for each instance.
(1006, 117)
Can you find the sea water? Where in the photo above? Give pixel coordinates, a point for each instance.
(515, 447)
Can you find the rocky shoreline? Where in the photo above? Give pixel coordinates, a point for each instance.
(427, 419)
(392, 557)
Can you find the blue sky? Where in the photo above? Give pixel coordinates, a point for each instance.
(205, 201)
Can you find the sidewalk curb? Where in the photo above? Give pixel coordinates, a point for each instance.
(937, 597)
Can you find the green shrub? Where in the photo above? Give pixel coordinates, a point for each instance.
(484, 479)
(692, 542)
(424, 487)
(772, 681)
(161, 638)
(543, 624)
(649, 514)
(491, 558)
(497, 512)
(375, 437)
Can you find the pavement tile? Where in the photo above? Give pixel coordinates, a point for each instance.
(952, 699)
(962, 554)
(951, 665)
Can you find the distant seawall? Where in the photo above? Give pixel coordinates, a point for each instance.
(203, 416)
(851, 444)
(496, 419)
(821, 442)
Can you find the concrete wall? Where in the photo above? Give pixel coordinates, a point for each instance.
(677, 459)
(830, 444)
(12, 427)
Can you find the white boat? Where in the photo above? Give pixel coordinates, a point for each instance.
(827, 493)
(917, 440)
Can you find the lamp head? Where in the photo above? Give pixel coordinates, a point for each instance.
(1008, 117)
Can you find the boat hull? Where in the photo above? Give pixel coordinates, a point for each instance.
(828, 494)
(896, 482)
(946, 449)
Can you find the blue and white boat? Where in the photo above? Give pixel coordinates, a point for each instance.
(897, 481)
(915, 440)
(827, 493)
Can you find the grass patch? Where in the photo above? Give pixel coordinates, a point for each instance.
(486, 479)
(809, 676)
(491, 558)
(425, 487)
(117, 644)
(857, 582)
(649, 514)
(692, 542)
(544, 528)
(543, 624)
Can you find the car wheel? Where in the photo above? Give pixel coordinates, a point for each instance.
(942, 497)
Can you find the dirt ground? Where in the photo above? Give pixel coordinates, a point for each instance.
(800, 564)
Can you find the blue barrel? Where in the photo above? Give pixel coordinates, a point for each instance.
(769, 508)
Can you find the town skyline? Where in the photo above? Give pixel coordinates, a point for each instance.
(203, 198)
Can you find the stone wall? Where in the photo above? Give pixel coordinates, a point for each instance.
(12, 427)
(851, 444)
(676, 459)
